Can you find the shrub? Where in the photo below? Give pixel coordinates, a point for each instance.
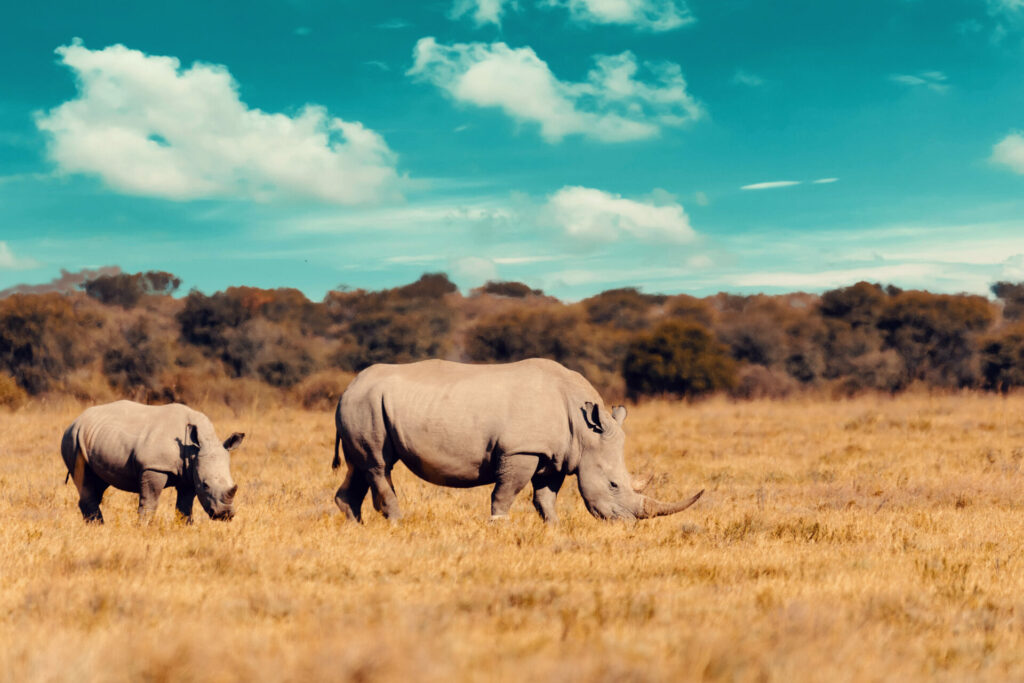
(43, 337)
(678, 358)
(11, 395)
(508, 288)
(125, 290)
(1002, 359)
(625, 309)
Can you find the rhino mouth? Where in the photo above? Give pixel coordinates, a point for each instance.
(224, 515)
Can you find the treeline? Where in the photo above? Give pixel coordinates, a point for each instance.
(128, 335)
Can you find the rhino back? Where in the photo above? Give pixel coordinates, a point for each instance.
(447, 420)
(121, 439)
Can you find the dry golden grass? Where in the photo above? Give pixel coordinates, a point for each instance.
(870, 539)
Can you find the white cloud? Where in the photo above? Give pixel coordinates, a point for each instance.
(933, 80)
(825, 181)
(473, 271)
(591, 214)
(1005, 6)
(483, 11)
(8, 261)
(742, 77)
(611, 105)
(645, 15)
(770, 185)
(146, 126)
(1010, 152)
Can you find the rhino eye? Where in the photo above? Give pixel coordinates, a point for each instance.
(613, 485)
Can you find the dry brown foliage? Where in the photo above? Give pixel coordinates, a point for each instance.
(869, 539)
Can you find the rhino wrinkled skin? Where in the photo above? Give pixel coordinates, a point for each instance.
(462, 425)
(144, 449)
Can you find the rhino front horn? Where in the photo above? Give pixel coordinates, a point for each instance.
(655, 508)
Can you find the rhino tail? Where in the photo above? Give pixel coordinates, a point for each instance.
(336, 463)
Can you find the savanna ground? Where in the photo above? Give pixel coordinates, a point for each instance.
(875, 538)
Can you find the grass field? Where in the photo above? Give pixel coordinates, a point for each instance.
(869, 539)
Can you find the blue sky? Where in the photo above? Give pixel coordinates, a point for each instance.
(576, 145)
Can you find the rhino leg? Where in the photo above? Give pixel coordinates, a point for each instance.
(351, 493)
(183, 504)
(384, 497)
(90, 494)
(545, 489)
(513, 474)
(151, 485)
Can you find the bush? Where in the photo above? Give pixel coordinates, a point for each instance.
(125, 290)
(624, 309)
(678, 358)
(516, 290)
(43, 337)
(757, 381)
(1002, 359)
(11, 395)
(322, 390)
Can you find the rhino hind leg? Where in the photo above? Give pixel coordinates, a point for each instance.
(385, 500)
(90, 494)
(351, 493)
(513, 474)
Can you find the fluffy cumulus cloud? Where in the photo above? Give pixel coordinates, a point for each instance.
(647, 15)
(1010, 152)
(146, 126)
(594, 215)
(482, 11)
(612, 105)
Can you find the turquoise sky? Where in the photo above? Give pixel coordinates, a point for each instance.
(576, 145)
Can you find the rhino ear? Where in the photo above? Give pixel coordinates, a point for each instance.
(592, 416)
(192, 435)
(233, 441)
(619, 413)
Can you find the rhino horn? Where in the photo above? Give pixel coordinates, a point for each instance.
(640, 485)
(655, 508)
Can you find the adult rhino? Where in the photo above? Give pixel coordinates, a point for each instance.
(144, 449)
(463, 425)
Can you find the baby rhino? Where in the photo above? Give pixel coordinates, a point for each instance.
(145, 449)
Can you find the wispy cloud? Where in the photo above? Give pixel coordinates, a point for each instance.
(825, 181)
(643, 15)
(148, 127)
(742, 77)
(482, 11)
(771, 185)
(932, 80)
(394, 24)
(611, 105)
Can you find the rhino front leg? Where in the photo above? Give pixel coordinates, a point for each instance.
(151, 485)
(183, 504)
(513, 474)
(545, 490)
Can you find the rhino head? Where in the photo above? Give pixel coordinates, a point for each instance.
(210, 470)
(607, 488)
